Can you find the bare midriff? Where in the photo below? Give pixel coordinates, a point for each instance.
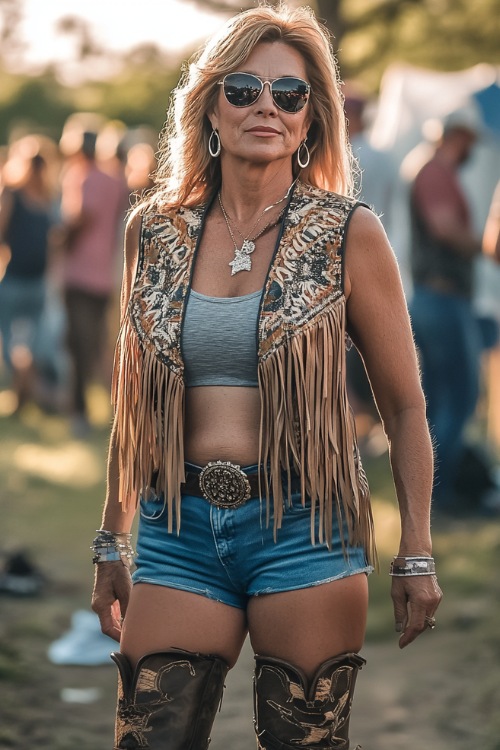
(222, 422)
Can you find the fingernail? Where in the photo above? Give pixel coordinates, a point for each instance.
(399, 627)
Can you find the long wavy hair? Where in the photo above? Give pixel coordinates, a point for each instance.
(186, 174)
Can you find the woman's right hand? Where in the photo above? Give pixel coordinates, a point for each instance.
(112, 586)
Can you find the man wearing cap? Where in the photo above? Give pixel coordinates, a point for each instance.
(443, 248)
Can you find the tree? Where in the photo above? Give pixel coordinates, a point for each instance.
(10, 18)
(32, 103)
(80, 30)
(136, 94)
(370, 34)
(134, 87)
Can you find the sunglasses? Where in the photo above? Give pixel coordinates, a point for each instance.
(243, 89)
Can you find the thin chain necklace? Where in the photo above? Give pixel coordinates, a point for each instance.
(242, 260)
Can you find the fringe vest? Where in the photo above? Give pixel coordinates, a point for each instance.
(306, 424)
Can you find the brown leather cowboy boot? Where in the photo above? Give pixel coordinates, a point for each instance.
(292, 711)
(169, 701)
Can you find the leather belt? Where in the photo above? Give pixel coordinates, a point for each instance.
(222, 483)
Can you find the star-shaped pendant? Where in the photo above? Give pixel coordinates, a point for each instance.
(241, 262)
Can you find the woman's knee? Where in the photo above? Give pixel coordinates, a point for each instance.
(308, 626)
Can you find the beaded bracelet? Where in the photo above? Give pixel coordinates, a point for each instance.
(109, 546)
(413, 566)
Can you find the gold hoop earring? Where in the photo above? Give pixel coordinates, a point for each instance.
(211, 150)
(305, 163)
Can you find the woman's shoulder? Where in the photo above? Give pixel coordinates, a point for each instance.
(321, 204)
(161, 216)
(152, 227)
(147, 219)
(9, 194)
(365, 238)
(324, 198)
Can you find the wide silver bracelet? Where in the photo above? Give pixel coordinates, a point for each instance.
(412, 566)
(109, 546)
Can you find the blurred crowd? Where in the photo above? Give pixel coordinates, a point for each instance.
(62, 211)
(456, 333)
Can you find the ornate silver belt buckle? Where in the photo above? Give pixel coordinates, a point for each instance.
(224, 484)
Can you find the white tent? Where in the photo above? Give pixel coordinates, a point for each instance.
(411, 99)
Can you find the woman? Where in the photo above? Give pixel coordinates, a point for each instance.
(27, 219)
(241, 281)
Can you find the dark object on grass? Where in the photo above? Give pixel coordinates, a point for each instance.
(20, 577)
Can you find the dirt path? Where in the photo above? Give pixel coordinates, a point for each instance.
(441, 693)
(400, 697)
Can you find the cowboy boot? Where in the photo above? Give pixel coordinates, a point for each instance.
(291, 711)
(169, 701)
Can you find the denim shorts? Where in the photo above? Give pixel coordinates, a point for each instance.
(230, 555)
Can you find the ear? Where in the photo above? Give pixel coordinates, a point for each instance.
(305, 132)
(305, 126)
(213, 117)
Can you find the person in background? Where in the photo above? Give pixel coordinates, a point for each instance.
(140, 167)
(491, 236)
(26, 219)
(245, 266)
(93, 205)
(375, 182)
(447, 334)
(491, 249)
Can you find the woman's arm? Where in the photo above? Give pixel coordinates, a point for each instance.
(379, 325)
(114, 518)
(112, 579)
(491, 236)
(6, 207)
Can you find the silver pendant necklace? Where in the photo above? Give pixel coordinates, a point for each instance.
(242, 260)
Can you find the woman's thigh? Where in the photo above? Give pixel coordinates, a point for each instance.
(307, 626)
(159, 618)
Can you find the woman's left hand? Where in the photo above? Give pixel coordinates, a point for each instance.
(415, 599)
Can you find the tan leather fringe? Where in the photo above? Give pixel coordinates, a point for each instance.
(307, 426)
(306, 415)
(149, 414)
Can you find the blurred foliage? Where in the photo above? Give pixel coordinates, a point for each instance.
(32, 103)
(135, 87)
(136, 95)
(370, 34)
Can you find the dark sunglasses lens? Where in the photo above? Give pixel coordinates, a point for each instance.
(241, 89)
(290, 94)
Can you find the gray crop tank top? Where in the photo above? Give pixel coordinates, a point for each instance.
(219, 340)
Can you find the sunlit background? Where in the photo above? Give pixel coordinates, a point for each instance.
(48, 31)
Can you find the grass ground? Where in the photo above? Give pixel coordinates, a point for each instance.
(445, 688)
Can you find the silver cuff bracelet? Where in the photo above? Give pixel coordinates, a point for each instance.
(413, 566)
(111, 547)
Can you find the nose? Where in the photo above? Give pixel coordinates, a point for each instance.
(265, 101)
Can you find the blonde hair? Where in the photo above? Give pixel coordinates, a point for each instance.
(186, 174)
